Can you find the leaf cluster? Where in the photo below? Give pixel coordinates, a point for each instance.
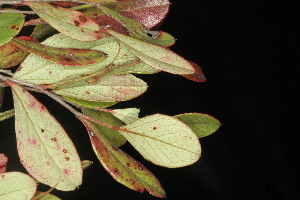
(84, 55)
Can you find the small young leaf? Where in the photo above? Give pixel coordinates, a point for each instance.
(202, 124)
(163, 140)
(111, 88)
(3, 163)
(127, 115)
(62, 56)
(121, 166)
(10, 25)
(156, 56)
(16, 185)
(11, 55)
(69, 22)
(44, 196)
(44, 148)
(37, 70)
(7, 114)
(113, 136)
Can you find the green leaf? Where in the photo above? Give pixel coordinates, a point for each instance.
(37, 70)
(90, 104)
(41, 30)
(127, 115)
(137, 30)
(86, 164)
(69, 22)
(16, 185)
(113, 136)
(62, 56)
(123, 168)
(111, 88)
(44, 148)
(156, 56)
(10, 55)
(45, 196)
(10, 25)
(202, 124)
(7, 114)
(163, 140)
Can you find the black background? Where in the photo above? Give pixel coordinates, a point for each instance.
(247, 52)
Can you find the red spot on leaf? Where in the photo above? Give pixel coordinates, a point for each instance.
(197, 76)
(66, 172)
(65, 150)
(67, 158)
(82, 19)
(54, 139)
(48, 163)
(128, 164)
(76, 23)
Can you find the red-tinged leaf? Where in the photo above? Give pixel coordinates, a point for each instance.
(148, 12)
(104, 20)
(86, 164)
(69, 22)
(137, 30)
(197, 76)
(11, 55)
(44, 148)
(123, 168)
(65, 3)
(62, 56)
(3, 162)
(113, 136)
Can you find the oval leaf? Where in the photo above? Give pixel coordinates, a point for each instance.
(62, 56)
(156, 56)
(16, 185)
(10, 25)
(111, 88)
(202, 124)
(163, 140)
(122, 167)
(69, 22)
(44, 148)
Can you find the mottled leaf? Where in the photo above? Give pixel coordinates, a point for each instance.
(37, 70)
(45, 196)
(202, 124)
(3, 163)
(62, 56)
(127, 115)
(11, 55)
(163, 140)
(7, 114)
(111, 88)
(16, 186)
(44, 148)
(69, 22)
(113, 136)
(156, 56)
(90, 104)
(148, 12)
(121, 166)
(10, 25)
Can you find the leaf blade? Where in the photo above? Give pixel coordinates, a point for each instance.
(163, 140)
(42, 140)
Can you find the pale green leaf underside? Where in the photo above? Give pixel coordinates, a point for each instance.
(127, 115)
(110, 88)
(155, 56)
(69, 22)
(16, 186)
(44, 148)
(37, 70)
(163, 140)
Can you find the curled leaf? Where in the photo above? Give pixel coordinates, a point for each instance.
(44, 148)
(163, 140)
(122, 167)
(62, 56)
(202, 124)
(16, 185)
(69, 22)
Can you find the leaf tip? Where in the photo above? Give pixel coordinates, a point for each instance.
(197, 76)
